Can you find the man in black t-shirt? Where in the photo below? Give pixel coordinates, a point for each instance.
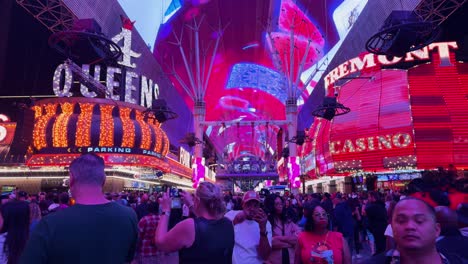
(93, 231)
(377, 216)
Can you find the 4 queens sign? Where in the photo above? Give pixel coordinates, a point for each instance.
(141, 93)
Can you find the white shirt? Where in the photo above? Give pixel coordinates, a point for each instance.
(464, 231)
(247, 239)
(389, 231)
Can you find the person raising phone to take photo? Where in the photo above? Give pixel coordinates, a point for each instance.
(197, 239)
(252, 230)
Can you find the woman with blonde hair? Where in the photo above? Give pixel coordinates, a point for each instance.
(34, 216)
(198, 240)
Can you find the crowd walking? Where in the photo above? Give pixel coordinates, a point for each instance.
(416, 225)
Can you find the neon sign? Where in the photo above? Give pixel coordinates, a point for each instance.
(102, 150)
(399, 140)
(371, 60)
(148, 88)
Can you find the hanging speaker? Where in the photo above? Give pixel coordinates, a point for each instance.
(300, 137)
(330, 108)
(402, 32)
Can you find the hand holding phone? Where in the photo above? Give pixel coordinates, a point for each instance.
(176, 203)
(175, 192)
(261, 218)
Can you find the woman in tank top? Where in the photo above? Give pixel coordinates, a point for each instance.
(317, 244)
(209, 238)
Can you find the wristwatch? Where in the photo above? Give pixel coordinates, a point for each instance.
(168, 213)
(264, 233)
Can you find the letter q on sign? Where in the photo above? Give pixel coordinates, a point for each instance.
(3, 133)
(3, 130)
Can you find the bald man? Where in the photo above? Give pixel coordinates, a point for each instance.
(142, 209)
(450, 241)
(415, 230)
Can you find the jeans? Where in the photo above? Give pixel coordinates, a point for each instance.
(350, 241)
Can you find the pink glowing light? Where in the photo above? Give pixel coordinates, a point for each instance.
(294, 171)
(198, 171)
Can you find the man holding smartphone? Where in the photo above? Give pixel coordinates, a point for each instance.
(252, 231)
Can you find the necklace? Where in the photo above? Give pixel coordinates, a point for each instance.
(323, 242)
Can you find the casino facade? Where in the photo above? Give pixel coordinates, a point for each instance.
(408, 115)
(244, 96)
(39, 137)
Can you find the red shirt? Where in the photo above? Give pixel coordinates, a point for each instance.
(146, 230)
(321, 249)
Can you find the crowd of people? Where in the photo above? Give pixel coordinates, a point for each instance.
(425, 223)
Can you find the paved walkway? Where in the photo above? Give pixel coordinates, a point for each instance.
(364, 255)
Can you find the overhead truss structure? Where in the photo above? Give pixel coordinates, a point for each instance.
(437, 11)
(53, 14)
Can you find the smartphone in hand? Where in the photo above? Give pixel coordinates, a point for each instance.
(176, 203)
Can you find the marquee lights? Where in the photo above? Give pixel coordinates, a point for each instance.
(83, 125)
(178, 168)
(400, 163)
(128, 139)
(148, 89)
(165, 151)
(97, 72)
(406, 140)
(159, 137)
(37, 111)
(130, 87)
(111, 159)
(62, 68)
(60, 128)
(351, 165)
(39, 132)
(371, 60)
(145, 131)
(111, 83)
(128, 53)
(399, 140)
(106, 135)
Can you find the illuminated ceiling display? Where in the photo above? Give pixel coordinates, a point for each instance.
(256, 76)
(293, 23)
(252, 63)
